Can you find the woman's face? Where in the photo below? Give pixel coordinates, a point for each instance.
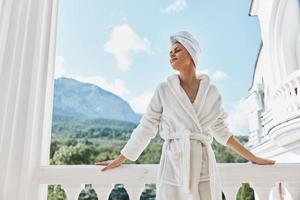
(180, 57)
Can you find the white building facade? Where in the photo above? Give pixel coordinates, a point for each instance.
(274, 100)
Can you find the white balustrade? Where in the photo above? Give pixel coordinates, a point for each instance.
(287, 98)
(294, 189)
(134, 190)
(134, 177)
(266, 121)
(103, 190)
(72, 190)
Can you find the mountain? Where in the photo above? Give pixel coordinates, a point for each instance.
(77, 99)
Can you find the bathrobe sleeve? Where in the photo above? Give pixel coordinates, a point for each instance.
(220, 129)
(146, 129)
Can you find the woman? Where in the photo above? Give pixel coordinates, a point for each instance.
(188, 112)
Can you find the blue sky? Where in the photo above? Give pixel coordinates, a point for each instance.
(123, 46)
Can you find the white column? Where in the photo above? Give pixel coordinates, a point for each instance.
(298, 93)
(134, 190)
(294, 96)
(103, 190)
(290, 97)
(72, 190)
(231, 191)
(294, 189)
(262, 189)
(298, 51)
(27, 43)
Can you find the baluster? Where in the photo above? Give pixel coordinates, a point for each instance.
(294, 95)
(280, 107)
(290, 97)
(103, 190)
(275, 104)
(134, 190)
(298, 93)
(294, 189)
(72, 190)
(231, 192)
(262, 189)
(287, 99)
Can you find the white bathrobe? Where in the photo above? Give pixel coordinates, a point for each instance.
(182, 125)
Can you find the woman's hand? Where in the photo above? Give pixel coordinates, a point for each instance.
(235, 145)
(262, 161)
(109, 164)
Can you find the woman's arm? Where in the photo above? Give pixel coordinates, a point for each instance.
(236, 146)
(141, 135)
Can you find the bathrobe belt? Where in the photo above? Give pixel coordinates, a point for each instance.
(187, 136)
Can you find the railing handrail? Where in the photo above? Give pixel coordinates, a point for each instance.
(288, 79)
(146, 173)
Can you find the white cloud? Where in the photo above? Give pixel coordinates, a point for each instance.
(203, 71)
(178, 5)
(237, 119)
(116, 86)
(219, 75)
(123, 42)
(59, 70)
(139, 104)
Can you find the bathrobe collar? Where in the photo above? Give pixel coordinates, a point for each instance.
(193, 109)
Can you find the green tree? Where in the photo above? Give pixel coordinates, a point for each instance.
(56, 193)
(245, 192)
(73, 155)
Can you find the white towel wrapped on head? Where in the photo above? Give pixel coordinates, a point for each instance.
(189, 42)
